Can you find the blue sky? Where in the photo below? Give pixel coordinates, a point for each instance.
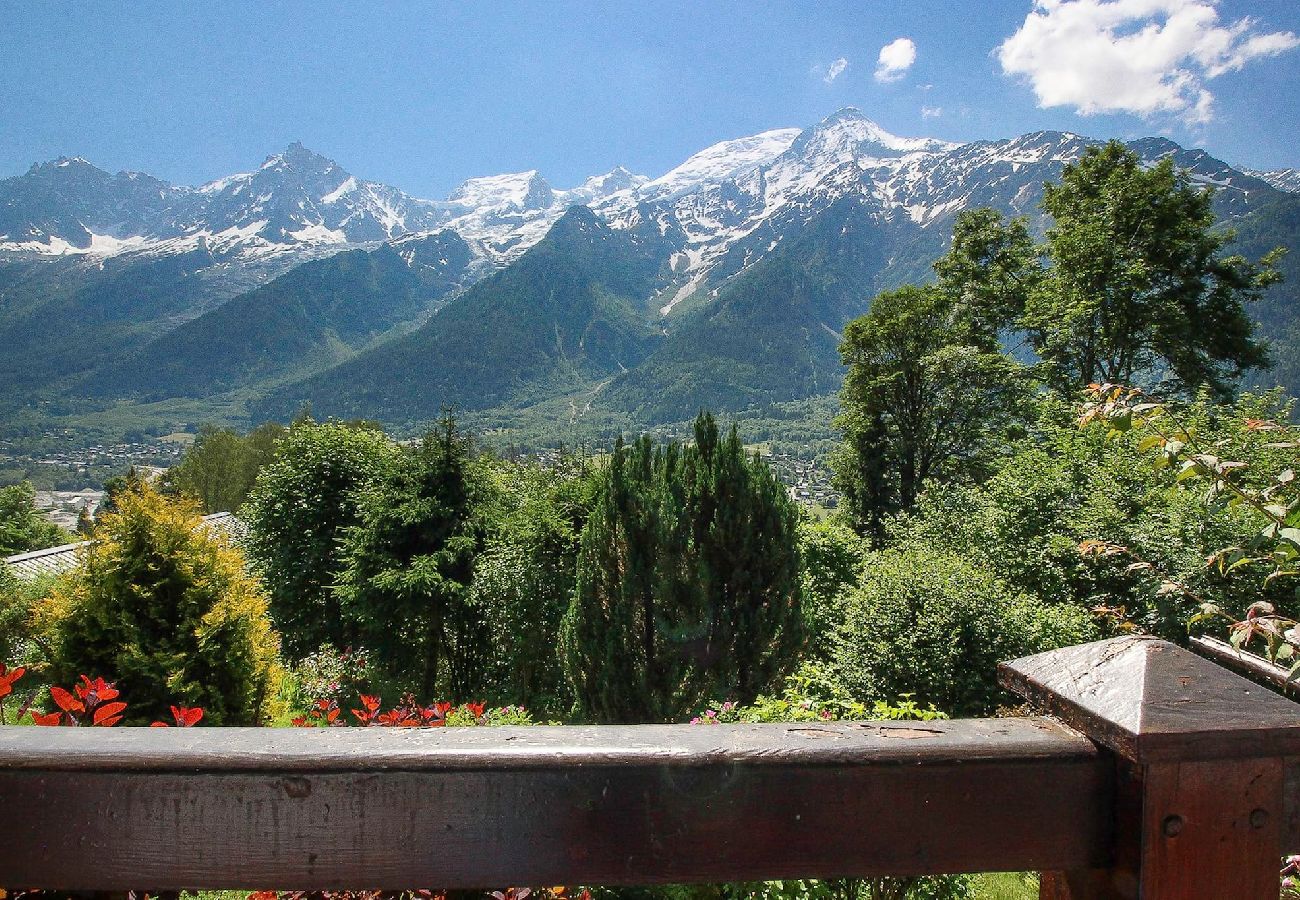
(422, 96)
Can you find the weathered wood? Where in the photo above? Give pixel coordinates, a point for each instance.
(389, 808)
(1150, 701)
(1205, 799)
(1212, 830)
(1249, 664)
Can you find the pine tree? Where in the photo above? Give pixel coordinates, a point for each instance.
(407, 568)
(687, 583)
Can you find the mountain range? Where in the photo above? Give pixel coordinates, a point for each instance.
(625, 300)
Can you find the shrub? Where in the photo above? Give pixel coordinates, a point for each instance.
(524, 579)
(168, 612)
(297, 514)
(929, 622)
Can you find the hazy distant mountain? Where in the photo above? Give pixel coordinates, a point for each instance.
(724, 282)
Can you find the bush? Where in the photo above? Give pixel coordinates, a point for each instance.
(524, 579)
(297, 514)
(830, 562)
(167, 611)
(931, 623)
(22, 527)
(25, 637)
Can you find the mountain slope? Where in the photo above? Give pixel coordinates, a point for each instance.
(565, 314)
(317, 315)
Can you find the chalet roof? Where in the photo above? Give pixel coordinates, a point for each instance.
(56, 560)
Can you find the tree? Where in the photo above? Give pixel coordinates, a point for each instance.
(1137, 287)
(168, 611)
(222, 466)
(687, 581)
(925, 395)
(22, 527)
(407, 567)
(524, 579)
(297, 514)
(989, 274)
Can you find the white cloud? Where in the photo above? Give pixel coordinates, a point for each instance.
(896, 58)
(835, 69)
(931, 112)
(1139, 56)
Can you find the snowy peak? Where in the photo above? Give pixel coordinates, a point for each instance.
(721, 162)
(598, 187)
(1282, 179)
(848, 135)
(522, 190)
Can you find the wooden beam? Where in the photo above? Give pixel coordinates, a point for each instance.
(493, 807)
(1203, 802)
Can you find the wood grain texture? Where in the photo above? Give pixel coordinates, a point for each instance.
(380, 808)
(1212, 830)
(1151, 701)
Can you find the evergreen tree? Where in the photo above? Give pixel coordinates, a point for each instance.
(167, 610)
(407, 567)
(687, 581)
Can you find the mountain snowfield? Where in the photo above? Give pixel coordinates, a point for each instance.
(299, 202)
(758, 248)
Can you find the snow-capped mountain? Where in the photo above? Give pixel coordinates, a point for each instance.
(1282, 179)
(296, 201)
(719, 212)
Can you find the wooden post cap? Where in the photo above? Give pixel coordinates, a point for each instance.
(1148, 700)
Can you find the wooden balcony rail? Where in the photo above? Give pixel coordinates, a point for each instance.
(1173, 786)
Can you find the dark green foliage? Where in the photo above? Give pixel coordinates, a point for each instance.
(1064, 486)
(407, 564)
(928, 622)
(925, 397)
(1138, 286)
(524, 579)
(22, 527)
(297, 513)
(313, 316)
(830, 563)
(568, 311)
(170, 614)
(222, 466)
(687, 581)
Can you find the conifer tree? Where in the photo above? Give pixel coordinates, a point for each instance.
(407, 568)
(168, 611)
(687, 582)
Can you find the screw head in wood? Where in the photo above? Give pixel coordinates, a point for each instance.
(1172, 826)
(1258, 818)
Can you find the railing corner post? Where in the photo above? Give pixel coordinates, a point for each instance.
(1200, 756)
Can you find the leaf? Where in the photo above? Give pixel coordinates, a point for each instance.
(107, 711)
(46, 718)
(65, 700)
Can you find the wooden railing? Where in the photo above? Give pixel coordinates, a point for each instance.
(1161, 776)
